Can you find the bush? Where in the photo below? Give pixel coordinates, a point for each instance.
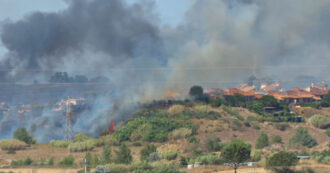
(22, 135)
(27, 162)
(176, 109)
(60, 143)
(277, 139)
(12, 144)
(281, 161)
(153, 157)
(236, 125)
(323, 157)
(256, 155)
(180, 133)
(147, 150)
(257, 107)
(282, 126)
(203, 109)
(81, 137)
(82, 146)
(302, 137)
(213, 144)
(67, 161)
(124, 155)
(169, 155)
(327, 132)
(255, 125)
(262, 141)
(320, 121)
(233, 113)
(210, 159)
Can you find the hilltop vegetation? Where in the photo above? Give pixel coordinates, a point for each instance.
(168, 137)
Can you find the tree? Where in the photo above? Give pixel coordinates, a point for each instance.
(262, 141)
(281, 161)
(257, 107)
(302, 137)
(196, 92)
(236, 152)
(106, 155)
(147, 150)
(22, 135)
(269, 101)
(124, 155)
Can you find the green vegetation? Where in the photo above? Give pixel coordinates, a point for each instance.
(256, 155)
(123, 155)
(22, 135)
(282, 126)
(196, 92)
(262, 141)
(147, 150)
(67, 161)
(180, 133)
(213, 144)
(106, 154)
(302, 137)
(81, 146)
(281, 161)
(12, 144)
(60, 143)
(233, 113)
(210, 159)
(276, 139)
(322, 157)
(236, 152)
(81, 137)
(152, 126)
(320, 121)
(169, 155)
(142, 167)
(327, 132)
(176, 109)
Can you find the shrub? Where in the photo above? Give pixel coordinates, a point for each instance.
(327, 132)
(320, 121)
(233, 113)
(26, 162)
(12, 144)
(302, 137)
(262, 141)
(82, 146)
(213, 144)
(80, 137)
(257, 107)
(180, 133)
(323, 157)
(51, 162)
(106, 154)
(67, 161)
(210, 159)
(113, 168)
(176, 109)
(60, 143)
(236, 125)
(282, 126)
(256, 155)
(203, 109)
(124, 155)
(147, 150)
(169, 155)
(153, 157)
(255, 125)
(217, 102)
(276, 139)
(281, 161)
(22, 135)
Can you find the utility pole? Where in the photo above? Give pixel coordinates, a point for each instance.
(85, 165)
(68, 126)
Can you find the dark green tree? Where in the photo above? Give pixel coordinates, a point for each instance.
(301, 137)
(269, 101)
(124, 155)
(257, 107)
(262, 141)
(281, 161)
(196, 92)
(236, 152)
(147, 150)
(22, 135)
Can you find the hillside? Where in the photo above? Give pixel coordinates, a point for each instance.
(193, 131)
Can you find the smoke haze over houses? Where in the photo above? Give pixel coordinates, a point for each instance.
(217, 44)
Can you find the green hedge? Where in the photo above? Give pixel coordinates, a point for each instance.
(12, 144)
(82, 146)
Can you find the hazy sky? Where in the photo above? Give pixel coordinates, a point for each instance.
(170, 11)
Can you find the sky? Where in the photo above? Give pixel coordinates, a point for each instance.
(170, 11)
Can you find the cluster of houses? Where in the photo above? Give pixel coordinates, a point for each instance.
(294, 96)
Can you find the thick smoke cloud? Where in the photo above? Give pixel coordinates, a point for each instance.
(219, 43)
